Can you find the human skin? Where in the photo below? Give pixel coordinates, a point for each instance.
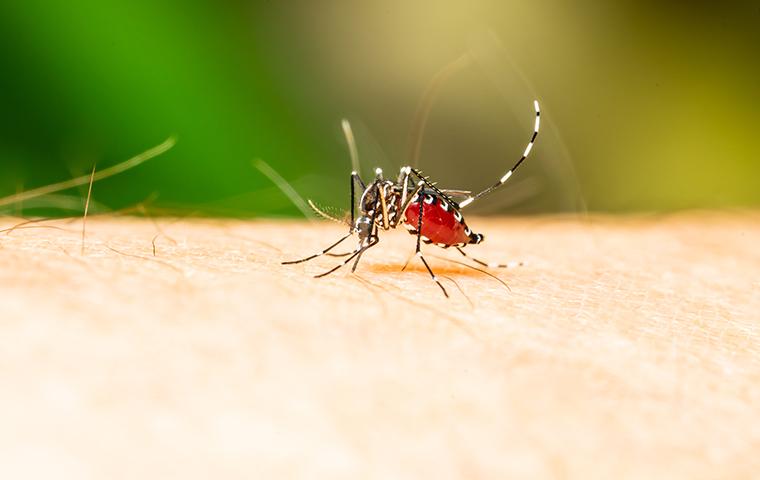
(625, 347)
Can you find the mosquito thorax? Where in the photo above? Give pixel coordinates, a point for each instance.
(370, 200)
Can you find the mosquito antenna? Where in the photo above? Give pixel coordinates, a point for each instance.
(351, 142)
(426, 104)
(509, 173)
(283, 185)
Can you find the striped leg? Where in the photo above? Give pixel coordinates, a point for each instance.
(357, 253)
(490, 264)
(506, 176)
(400, 217)
(418, 252)
(371, 240)
(319, 254)
(355, 179)
(404, 181)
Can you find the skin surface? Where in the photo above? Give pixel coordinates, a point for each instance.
(626, 348)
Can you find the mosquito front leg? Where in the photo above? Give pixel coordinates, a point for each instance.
(403, 182)
(405, 203)
(372, 242)
(351, 228)
(355, 179)
(358, 252)
(367, 239)
(383, 205)
(319, 254)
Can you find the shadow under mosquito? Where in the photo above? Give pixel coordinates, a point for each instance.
(418, 267)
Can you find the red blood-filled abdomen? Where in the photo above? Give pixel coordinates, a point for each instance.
(439, 224)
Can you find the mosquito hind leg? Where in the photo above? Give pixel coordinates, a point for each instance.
(418, 252)
(490, 264)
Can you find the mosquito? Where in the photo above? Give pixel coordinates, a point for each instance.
(431, 214)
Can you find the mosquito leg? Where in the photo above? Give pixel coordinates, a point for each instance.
(354, 254)
(355, 179)
(405, 204)
(427, 183)
(509, 173)
(403, 181)
(435, 279)
(356, 262)
(357, 252)
(406, 264)
(384, 207)
(371, 240)
(418, 252)
(358, 257)
(490, 264)
(291, 262)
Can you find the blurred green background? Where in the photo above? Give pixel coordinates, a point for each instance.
(647, 105)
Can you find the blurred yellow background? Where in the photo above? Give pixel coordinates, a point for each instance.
(646, 105)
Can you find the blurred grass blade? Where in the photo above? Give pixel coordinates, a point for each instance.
(85, 179)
